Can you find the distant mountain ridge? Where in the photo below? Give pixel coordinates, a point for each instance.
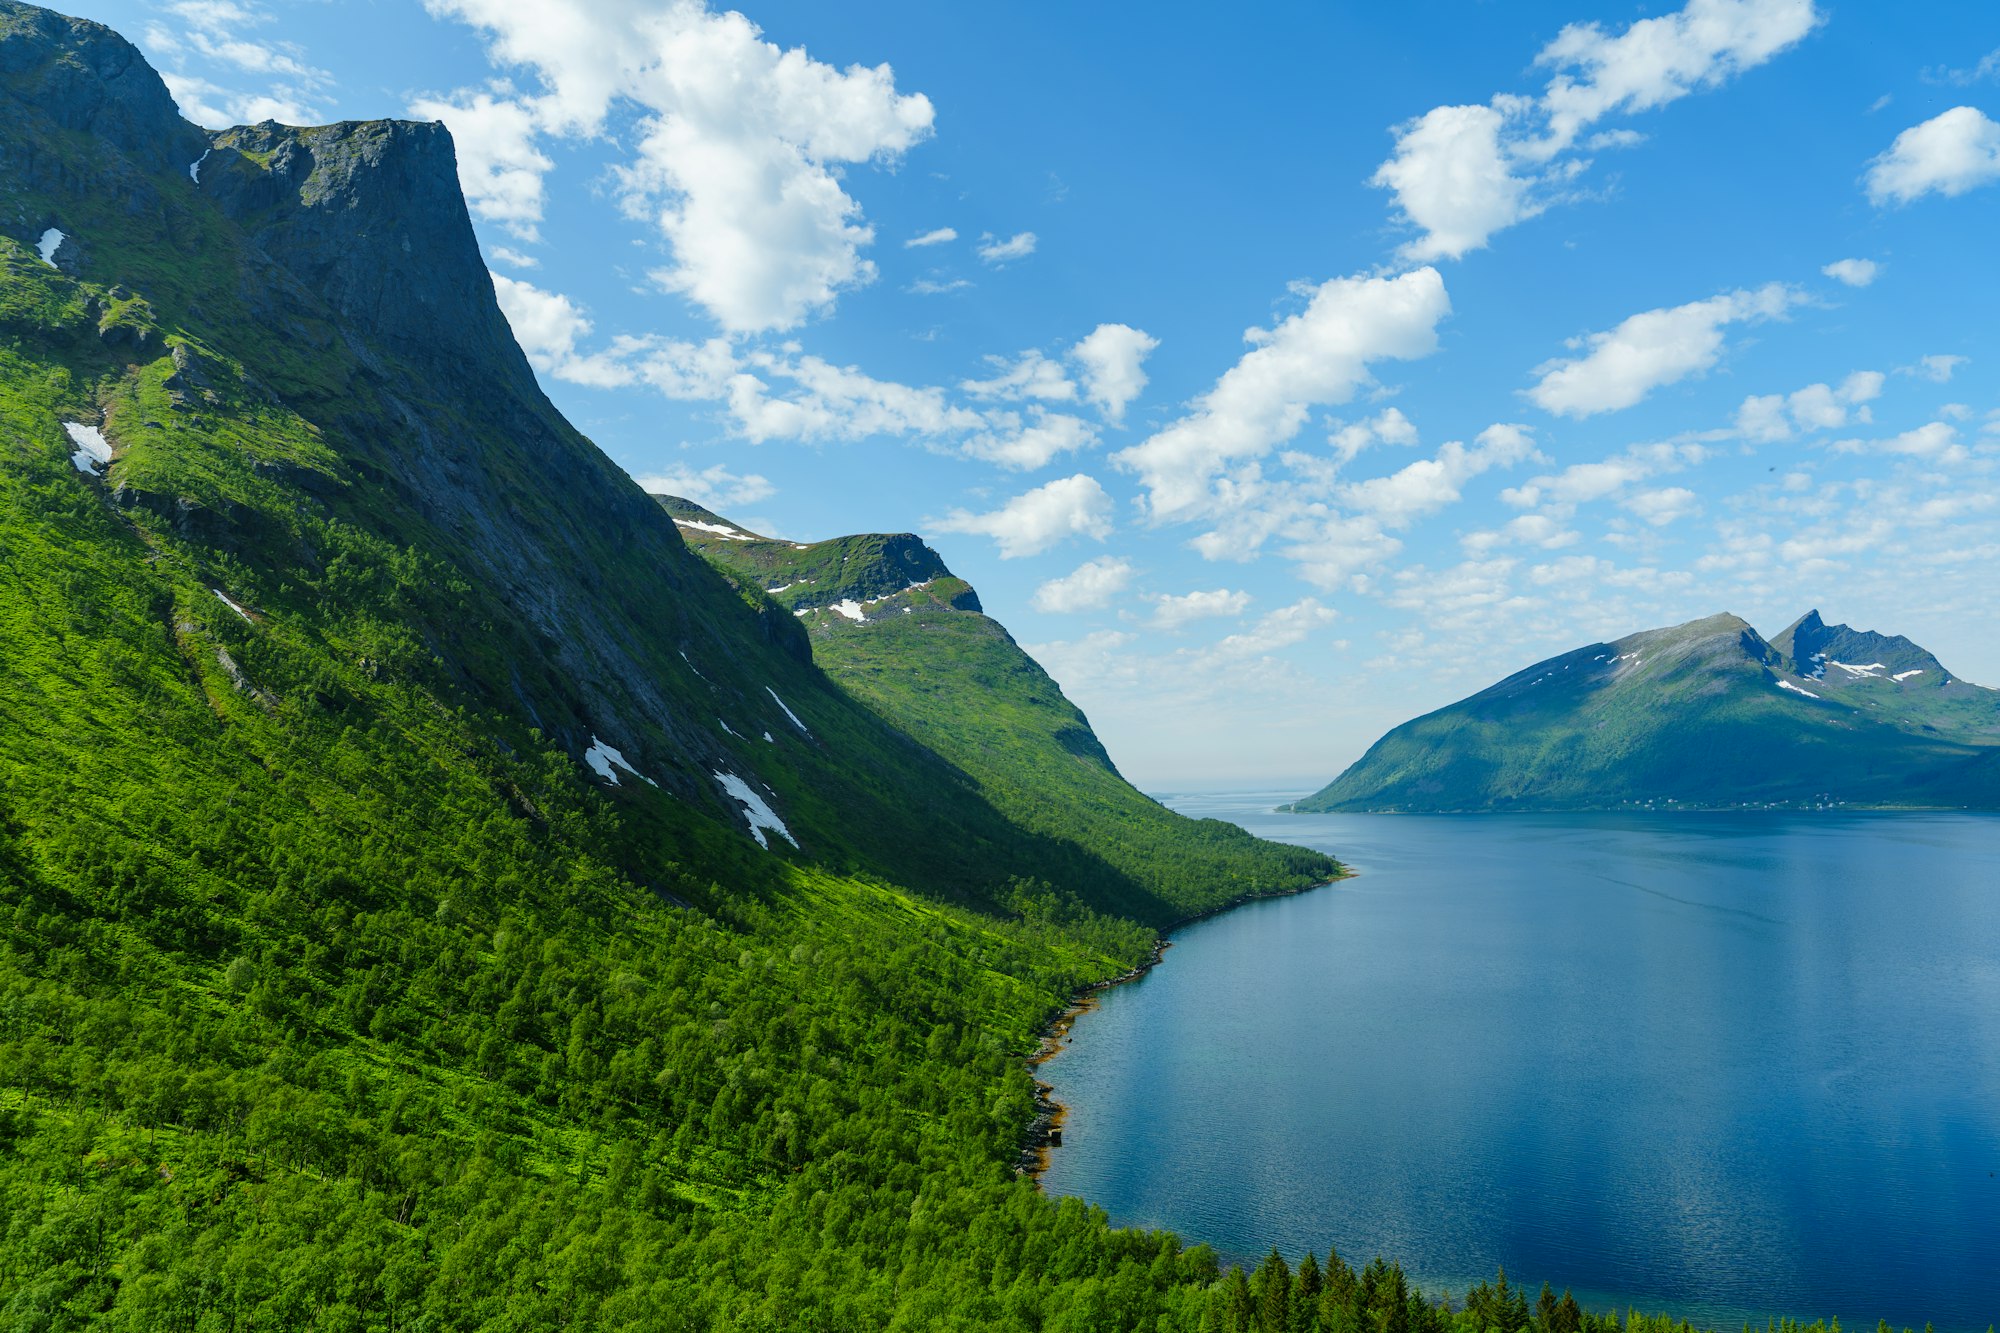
(1708, 714)
(892, 626)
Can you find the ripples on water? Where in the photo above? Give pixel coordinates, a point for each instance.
(1725, 1065)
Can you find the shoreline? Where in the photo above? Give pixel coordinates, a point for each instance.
(1044, 1133)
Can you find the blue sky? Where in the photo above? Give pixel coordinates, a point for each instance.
(1277, 375)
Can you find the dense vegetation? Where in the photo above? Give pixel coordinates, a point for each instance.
(1706, 715)
(896, 629)
(335, 990)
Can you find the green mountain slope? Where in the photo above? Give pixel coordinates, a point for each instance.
(900, 632)
(404, 917)
(1702, 715)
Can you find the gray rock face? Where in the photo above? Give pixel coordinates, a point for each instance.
(88, 78)
(368, 215)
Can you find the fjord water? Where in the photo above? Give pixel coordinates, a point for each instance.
(1722, 1065)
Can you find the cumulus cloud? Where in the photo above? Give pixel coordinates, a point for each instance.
(1274, 631)
(1389, 426)
(216, 35)
(1031, 375)
(499, 167)
(1034, 443)
(1036, 520)
(1172, 612)
(1112, 358)
(1853, 272)
(546, 324)
(739, 146)
(1938, 368)
(1649, 350)
(1933, 442)
(1089, 587)
(1461, 173)
(1663, 506)
(994, 250)
(714, 487)
(1952, 152)
(939, 236)
(1765, 418)
(1428, 485)
(1314, 358)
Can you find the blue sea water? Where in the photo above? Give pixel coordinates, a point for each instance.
(1726, 1066)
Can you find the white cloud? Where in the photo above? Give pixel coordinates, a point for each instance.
(739, 146)
(1031, 375)
(1649, 350)
(1938, 369)
(1089, 587)
(1314, 358)
(499, 166)
(1768, 417)
(938, 236)
(1172, 612)
(937, 287)
(1952, 152)
(1033, 444)
(996, 251)
(1113, 357)
(215, 32)
(1462, 173)
(1033, 522)
(546, 324)
(836, 402)
(1424, 487)
(514, 258)
(1853, 272)
(1935, 442)
(1452, 178)
(714, 487)
(1276, 630)
(1664, 506)
(1987, 68)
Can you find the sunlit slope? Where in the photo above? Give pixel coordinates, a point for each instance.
(897, 630)
(1706, 714)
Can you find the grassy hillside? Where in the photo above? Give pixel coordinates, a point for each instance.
(899, 632)
(1702, 715)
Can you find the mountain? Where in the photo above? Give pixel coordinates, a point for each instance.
(1703, 715)
(430, 894)
(898, 631)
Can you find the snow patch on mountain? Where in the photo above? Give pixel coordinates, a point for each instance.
(756, 812)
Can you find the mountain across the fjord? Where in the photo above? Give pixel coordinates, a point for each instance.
(1705, 715)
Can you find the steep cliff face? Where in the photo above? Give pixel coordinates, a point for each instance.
(368, 215)
(88, 80)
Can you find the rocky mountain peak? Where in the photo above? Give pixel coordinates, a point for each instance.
(87, 78)
(368, 215)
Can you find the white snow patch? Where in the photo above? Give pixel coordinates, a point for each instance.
(731, 730)
(194, 167)
(798, 583)
(768, 740)
(51, 242)
(849, 608)
(1787, 685)
(806, 547)
(1859, 672)
(756, 812)
(788, 712)
(718, 529)
(601, 758)
(92, 450)
(803, 611)
(1905, 675)
(230, 602)
(691, 666)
